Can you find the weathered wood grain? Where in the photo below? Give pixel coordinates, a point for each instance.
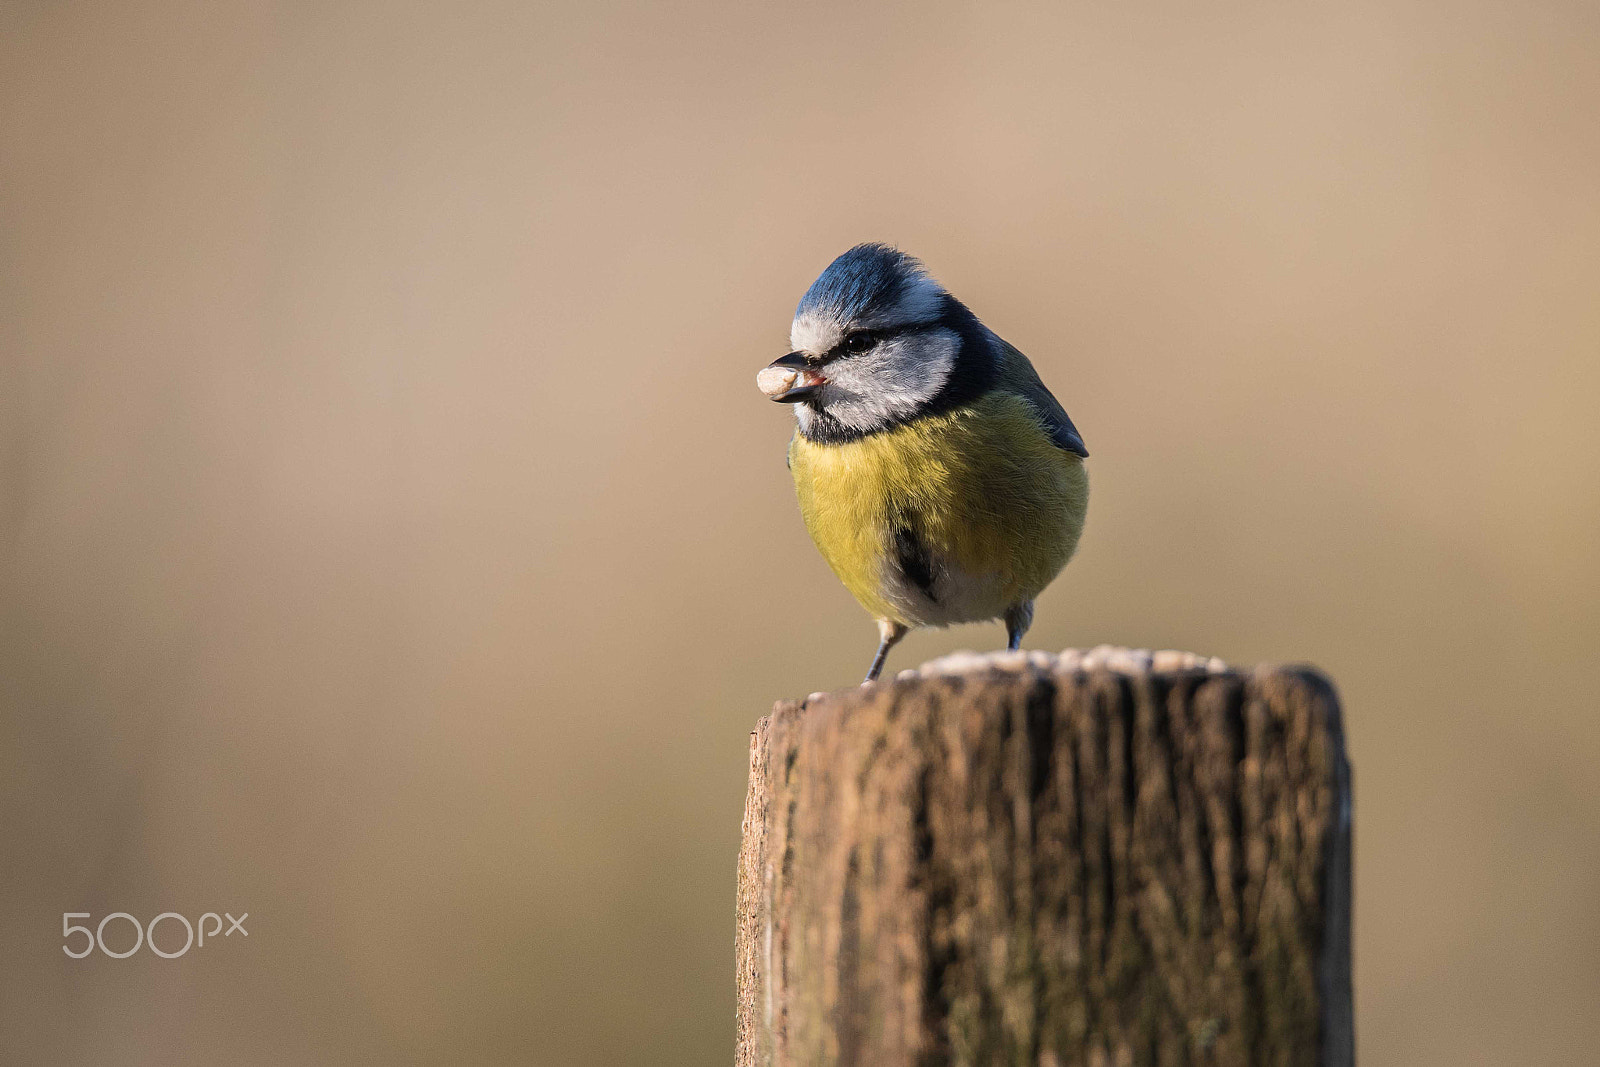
(1106, 859)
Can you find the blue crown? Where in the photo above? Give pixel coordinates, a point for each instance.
(865, 280)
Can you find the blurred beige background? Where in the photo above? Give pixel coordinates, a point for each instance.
(396, 548)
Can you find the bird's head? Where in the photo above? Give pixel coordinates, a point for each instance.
(876, 340)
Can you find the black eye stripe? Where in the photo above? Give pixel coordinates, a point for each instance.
(877, 337)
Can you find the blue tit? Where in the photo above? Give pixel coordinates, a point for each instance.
(937, 475)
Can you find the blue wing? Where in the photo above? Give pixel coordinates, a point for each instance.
(1016, 375)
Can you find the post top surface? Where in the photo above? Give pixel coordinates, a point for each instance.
(1114, 658)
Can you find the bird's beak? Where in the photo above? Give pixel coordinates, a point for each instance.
(789, 379)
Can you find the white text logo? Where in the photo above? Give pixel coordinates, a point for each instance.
(146, 935)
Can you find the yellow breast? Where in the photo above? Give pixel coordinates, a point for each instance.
(997, 504)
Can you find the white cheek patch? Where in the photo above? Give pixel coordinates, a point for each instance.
(890, 383)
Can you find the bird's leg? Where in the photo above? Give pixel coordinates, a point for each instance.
(889, 635)
(1018, 618)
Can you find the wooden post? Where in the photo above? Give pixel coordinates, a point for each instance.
(1109, 859)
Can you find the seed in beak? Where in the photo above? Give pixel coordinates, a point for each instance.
(775, 381)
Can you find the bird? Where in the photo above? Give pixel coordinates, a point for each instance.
(937, 475)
